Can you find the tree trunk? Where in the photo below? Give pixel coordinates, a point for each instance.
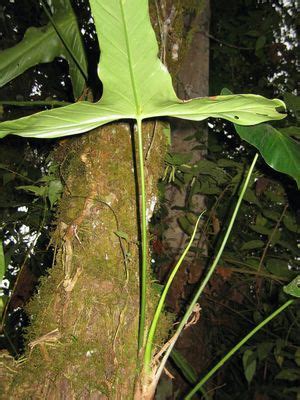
(184, 27)
(82, 343)
(189, 62)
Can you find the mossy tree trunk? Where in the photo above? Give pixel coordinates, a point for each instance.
(82, 342)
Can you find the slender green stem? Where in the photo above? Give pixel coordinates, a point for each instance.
(152, 330)
(190, 309)
(143, 274)
(236, 348)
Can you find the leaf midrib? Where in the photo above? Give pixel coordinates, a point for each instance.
(135, 95)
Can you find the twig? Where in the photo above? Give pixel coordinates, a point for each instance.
(258, 281)
(233, 46)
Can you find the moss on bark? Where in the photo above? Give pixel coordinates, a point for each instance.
(82, 342)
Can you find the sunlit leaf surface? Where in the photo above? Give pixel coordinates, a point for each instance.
(136, 84)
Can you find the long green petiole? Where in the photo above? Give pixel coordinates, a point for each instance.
(190, 309)
(143, 273)
(235, 349)
(149, 342)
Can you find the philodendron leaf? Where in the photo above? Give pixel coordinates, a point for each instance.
(42, 45)
(280, 151)
(136, 85)
(70, 120)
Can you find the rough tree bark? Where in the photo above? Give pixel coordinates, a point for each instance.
(82, 342)
(185, 25)
(184, 28)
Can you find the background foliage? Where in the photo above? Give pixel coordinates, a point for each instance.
(253, 48)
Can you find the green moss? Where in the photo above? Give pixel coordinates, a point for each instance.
(97, 320)
(181, 32)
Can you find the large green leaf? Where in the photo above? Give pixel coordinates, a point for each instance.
(42, 45)
(73, 119)
(136, 84)
(278, 150)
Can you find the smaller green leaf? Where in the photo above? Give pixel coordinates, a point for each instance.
(122, 235)
(253, 244)
(253, 33)
(279, 267)
(184, 366)
(54, 191)
(264, 349)
(273, 215)
(279, 358)
(187, 179)
(185, 225)
(297, 357)
(293, 288)
(291, 224)
(260, 220)
(177, 159)
(249, 364)
(207, 187)
(276, 197)
(7, 177)
(37, 190)
(260, 229)
(293, 103)
(250, 197)
(225, 163)
(293, 389)
(288, 245)
(261, 41)
(158, 287)
(275, 237)
(288, 374)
